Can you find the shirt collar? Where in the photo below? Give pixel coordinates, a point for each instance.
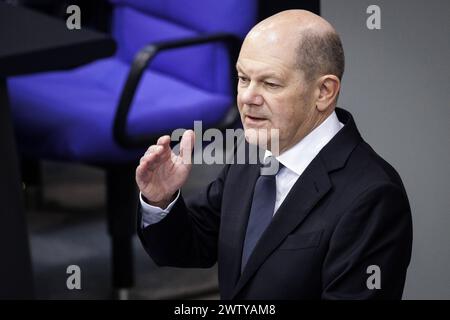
(298, 157)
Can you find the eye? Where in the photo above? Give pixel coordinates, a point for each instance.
(243, 80)
(271, 84)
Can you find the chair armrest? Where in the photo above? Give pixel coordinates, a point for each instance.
(140, 63)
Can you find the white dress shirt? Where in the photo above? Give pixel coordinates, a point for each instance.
(294, 161)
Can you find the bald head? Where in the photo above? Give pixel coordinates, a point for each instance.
(307, 38)
(291, 21)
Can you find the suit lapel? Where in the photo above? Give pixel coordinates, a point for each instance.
(233, 228)
(312, 185)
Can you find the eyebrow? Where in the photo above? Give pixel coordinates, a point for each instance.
(269, 74)
(238, 69)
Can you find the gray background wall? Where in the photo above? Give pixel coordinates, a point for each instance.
(397, 85)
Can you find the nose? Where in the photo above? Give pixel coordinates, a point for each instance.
(250, 95)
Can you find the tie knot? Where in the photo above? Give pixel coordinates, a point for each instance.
(270, 166)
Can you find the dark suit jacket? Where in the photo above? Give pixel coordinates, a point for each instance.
(346, 212)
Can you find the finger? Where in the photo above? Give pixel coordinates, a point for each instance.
(144, 158)
(164, 140)
(186, 146)
(157, 151)
(148, 160)
(152, 149)
(147, 165)
(149, 149)
(140, 171)
(166, 151)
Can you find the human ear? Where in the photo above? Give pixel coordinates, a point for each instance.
(329, 86)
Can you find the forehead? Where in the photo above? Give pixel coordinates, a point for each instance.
(259, 59)
(267, 54)
(260, 69)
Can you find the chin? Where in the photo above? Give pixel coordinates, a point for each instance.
(257, 136)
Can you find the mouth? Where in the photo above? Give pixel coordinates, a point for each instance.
(252, 120)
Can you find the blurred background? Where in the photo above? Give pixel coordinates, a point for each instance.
(396, 84)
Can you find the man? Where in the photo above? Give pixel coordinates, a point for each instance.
(339, 223)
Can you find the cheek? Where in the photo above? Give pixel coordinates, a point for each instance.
(239, 105)
(239, 102)
(285, 116)
(281, 112)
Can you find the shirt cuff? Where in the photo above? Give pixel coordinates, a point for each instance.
(152, 214)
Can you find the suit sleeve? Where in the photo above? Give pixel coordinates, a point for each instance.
(370, 248)
(188, 235)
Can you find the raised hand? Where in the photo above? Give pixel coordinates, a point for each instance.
(161, 172)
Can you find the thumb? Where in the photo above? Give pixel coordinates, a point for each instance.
(186, 146)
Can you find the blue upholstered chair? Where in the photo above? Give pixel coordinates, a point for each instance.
(172, 67)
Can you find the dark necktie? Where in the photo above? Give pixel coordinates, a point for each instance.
(261, 212)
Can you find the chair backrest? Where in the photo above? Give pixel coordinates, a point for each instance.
(137, 23)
